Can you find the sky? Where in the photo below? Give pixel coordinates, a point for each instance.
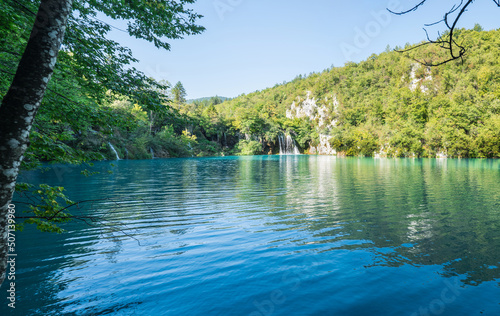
(251, 45)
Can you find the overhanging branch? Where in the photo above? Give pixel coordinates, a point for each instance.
(448, 41)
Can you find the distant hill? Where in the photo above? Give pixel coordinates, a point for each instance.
(207, 99)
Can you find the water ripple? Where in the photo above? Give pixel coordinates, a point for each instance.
(309, 235)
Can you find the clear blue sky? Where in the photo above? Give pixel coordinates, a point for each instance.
(250, 45)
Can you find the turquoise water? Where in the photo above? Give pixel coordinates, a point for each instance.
(269, 235)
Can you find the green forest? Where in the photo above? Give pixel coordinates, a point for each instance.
(387, 105)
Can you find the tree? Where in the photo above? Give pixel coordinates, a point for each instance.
(179, 93)
(447, 40)
(478, 27)
(20, 104)
(97, 61)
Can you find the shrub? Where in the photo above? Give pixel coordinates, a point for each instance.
(249, 147)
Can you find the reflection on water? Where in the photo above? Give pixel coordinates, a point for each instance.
(271, 235)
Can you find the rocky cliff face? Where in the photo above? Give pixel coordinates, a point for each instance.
(316, 110)
(309, 108)
(324, 147)
(422, 82)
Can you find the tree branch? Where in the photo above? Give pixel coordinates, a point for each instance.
(447, 42)
(410, 10)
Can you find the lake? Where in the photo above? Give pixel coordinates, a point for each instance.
(268, 235)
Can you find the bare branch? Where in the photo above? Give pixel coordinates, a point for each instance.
(411, 10)
(456, 51)
(93, 221)
(25, 8)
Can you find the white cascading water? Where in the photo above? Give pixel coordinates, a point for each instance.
(287, 145)
(152, 153)
(281, 147)
(114, 150)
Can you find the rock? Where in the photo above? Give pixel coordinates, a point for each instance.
(324, 147)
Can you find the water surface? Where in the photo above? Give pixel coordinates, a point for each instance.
(270, 235)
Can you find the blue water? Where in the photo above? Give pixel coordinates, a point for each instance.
(269, 235)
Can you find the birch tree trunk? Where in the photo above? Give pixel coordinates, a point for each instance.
(22, 101)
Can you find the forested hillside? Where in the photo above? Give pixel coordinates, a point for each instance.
(388, 105)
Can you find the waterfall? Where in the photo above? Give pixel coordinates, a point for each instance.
(152, 153)
(126, 153)
(190, 149)
(287, 145)
(280, 143)
(114, 150)
(291, 146)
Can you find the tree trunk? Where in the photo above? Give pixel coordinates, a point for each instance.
(21, 103)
